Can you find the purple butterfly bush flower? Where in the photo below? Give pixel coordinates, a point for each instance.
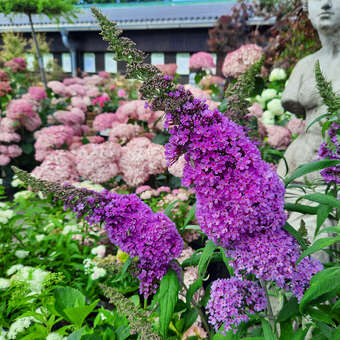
(232, 300)
(136, 229)
(331, 150)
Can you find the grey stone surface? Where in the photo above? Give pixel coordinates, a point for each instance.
(301, 94)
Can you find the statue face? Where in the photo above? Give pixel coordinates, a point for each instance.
(324, 15)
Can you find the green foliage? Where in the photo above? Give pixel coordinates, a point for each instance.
(13, 46)
(50, 8)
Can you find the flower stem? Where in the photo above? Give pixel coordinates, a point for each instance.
(269, 307)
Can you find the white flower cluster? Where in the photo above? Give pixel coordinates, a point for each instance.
(54, 336)
(99, 251)
(18, 326)
(93, 270)
(270, 100)
(25, 195)
(5, 213)
(20, 254)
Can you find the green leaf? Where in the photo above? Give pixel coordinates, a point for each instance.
(67, 297)
(193, 227)
(169, 288)
(335, 230)
(77, 315)
(310, 167)
(319, 315)
(325, 281)
(189, 316)
(289, 310)
(295, 234)
(323, 199)
(336, 305)
(190, 216)
(168, 209)
(304, 209)
(318, 245)
(267, 330)
(192, 290)
(322, 214)
(300, 334)
(205, 258)
(317, 120)
(76, 335)
(286, 330)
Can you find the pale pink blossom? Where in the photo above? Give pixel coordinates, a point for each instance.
(4, 160)
(37, 93)
(201, 60)
(134, 109)
(121, 93)
(238, 61)
(3, 76)
(209, 80)
(58, 166)
(168, 69)
(19, 108)
(77, 90)
(92, 91)
(104, 74)
(122, 133)
(8, 125)
(73, 117)
(59, 88)
(195, 331)
(31, 123)
(157, 120)
(80, 103)
(176, 169)
(296, 126)
(14, 151)
(98, 162)
(5, 88)
(9, 137)
(104, 121)
(213, 105)
(142, 188)
(197, 92)
(94, 80)
(85, 129)
(255, 110)
(279, 137)
(75, 80)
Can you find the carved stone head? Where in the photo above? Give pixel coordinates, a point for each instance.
(324, 14)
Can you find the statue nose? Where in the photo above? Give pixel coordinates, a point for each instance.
(327, 4)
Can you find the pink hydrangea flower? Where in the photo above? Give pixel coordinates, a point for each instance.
(197, 92)
(279, 137)
(73, 117)
(80, 102)
(122, 133)
(142, 188)
(121, 93)
(37, 93)
(75, 80)
(176, 169)
(296, 126)
(98, 162)
(77, 90)
(255, 110)
(201, 60)
(209, 80)
(59, 88)
(31, 123)
(104, 121)
(104, 74)
(3, 76)
(237, 62)
(58, 166)
(19, 108)
(4, 160)
(16, 64)
(168, 69)
(5, 88)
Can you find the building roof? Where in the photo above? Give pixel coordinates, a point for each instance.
(153, 15)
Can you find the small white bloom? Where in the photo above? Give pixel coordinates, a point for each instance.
(11, 270)
(268, 94)
(99, 251)
(146, 195)
(18, 326)
(275, 107)
(54, 336)
(277, 74)
(5, 215)
(16, 182)
(21, 253)
(4, 283)
(98, 273)
(268, 118)
(25, 194)
(261, 101)
(39, 237)
(70, 229)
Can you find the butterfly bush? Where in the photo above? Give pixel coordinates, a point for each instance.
(130, 224)
(232, 300)
(331, 150)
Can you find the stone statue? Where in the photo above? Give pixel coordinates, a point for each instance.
(301, 94)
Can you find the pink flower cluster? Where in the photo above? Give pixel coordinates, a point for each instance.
(58, 166)
(279, 137)
(98, 162)
(238, 61)
(141, 158)
(167, 69)
(201, 60)
(22, 112)
(51, 138)
(16, 64)
(104, 121)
